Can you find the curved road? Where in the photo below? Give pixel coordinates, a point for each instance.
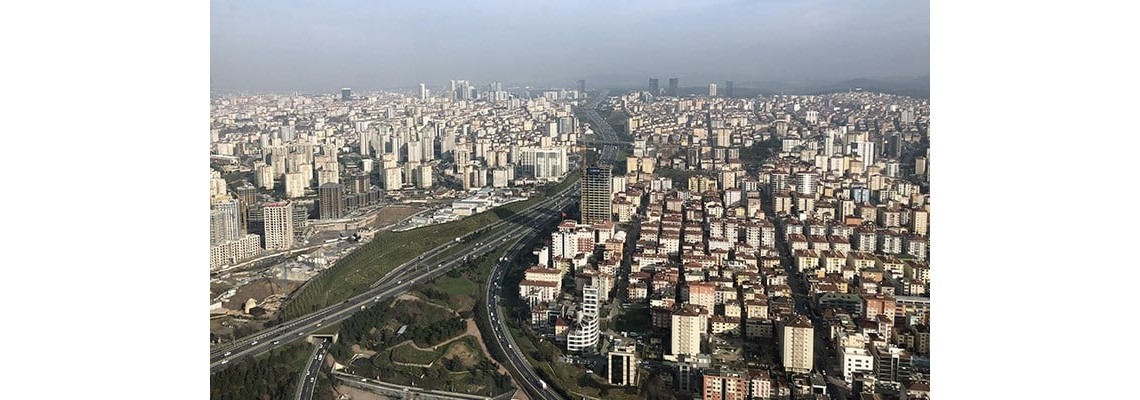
(405, 276)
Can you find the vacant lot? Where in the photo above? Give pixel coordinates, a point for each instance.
(393, 214)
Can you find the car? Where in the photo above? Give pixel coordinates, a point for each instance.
(254, 343)
(225, 361)
(276, 342)
(318, 324)
(227, 354)
(300, 333)
(364, 379)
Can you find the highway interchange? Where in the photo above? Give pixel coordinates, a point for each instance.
(412, 273)
(405, 276)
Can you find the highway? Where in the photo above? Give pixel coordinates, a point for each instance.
(309, 379)
(405, 277)
(516, 361)
(525, 374)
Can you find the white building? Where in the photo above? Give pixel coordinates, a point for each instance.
(278, 225)
(855, 359)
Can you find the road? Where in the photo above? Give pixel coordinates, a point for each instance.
(309, 380)
(516, 361)
(501, 335)
(397, 282)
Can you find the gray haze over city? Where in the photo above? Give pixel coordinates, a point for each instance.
(321, 46)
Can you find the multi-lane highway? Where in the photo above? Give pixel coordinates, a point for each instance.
(309, 379)
(527, 378)
(395, 283)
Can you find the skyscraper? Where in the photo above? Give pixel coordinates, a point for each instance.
(728, 89)
(673, 87)
(346, 94)
(653, 89)
(278, 220)
(712, 90)
(332, 200)
(596, 200)
(582, 85)
(423, 92)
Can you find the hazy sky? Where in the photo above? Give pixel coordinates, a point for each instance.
(321, 46)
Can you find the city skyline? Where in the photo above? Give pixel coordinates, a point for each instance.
(256, 46)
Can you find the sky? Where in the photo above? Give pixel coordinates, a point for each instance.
(321, 46)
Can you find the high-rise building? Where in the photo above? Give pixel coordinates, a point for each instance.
(865, 150)
(332, 200)
(796, 341)
(247, 195)
(728, 89)
(686, 327)
(295, 184)
(278, 220)
(582, 86)
(596, 201)
(621, 367)
(806, 183)
(653, 89)
(712, 90)
(585, 333)
(225, 222)
(423, 92)
(673, 87)
(346, 94)
(541, 163)
(724, 385)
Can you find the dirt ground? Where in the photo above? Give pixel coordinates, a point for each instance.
(357, 394)
(393, 214)
(259, 290)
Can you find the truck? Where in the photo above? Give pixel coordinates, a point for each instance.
(542, 383)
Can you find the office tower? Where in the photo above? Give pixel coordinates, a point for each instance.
(582, 86)
(423, 92)
(278, 223)
(346, 94)
(225, 222)
(724, 385)
(712, 90)
(596, 200)
(332, 200)
(920, 166)
(796, 343)
(686, 326)
(653, 89)
(728, 89)
(673, 87)
(621, 366)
